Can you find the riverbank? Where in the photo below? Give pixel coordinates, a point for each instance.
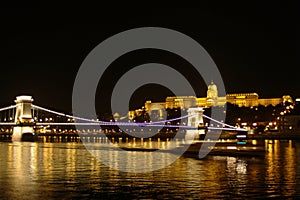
(74, 137)
(274, 136)
(260, 136)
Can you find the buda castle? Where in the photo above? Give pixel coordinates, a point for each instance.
(212, 99)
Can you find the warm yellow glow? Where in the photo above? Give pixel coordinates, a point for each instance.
(231, 147)
(24, 97)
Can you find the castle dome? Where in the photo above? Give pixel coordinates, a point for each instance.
(212, 91)
(212, 86)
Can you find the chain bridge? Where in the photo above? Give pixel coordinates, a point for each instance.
(23, 118)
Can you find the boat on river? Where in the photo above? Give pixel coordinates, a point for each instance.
(221, 148)
(225, 148)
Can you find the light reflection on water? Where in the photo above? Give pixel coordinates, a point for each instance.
(68, 171)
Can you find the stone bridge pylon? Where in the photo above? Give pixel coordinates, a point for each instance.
(195, 119)
(23, 117)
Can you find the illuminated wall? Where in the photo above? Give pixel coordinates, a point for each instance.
(243, 99)
(212, 99)
(270, 101)
(182, 102)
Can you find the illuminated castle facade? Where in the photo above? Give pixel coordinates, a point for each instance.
(212, 99)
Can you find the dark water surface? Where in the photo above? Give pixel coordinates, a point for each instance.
(68, 171)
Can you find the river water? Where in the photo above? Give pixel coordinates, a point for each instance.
(37, 170)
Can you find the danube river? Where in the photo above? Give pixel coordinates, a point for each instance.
(37, 170)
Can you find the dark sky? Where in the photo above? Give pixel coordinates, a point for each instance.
(255, 46)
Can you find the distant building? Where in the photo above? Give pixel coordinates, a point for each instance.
(243, 99)
(212, 99)
(289, 124)
(182, 102)
(289, 121)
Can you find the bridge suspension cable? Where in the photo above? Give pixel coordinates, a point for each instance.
(62, 114)
(157, 123)
(104, 122)
(8, 107)
(174, 119)
(222, 123)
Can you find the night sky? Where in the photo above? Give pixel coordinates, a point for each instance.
(255, 46)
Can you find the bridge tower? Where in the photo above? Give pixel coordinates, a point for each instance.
(195, 119)
(23, 117)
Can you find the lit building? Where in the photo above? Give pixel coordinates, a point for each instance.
(243, 99)
(289, 124)
(252, 100)
(289, 121)
(270, 101)
(182, 102)
(212, 99)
